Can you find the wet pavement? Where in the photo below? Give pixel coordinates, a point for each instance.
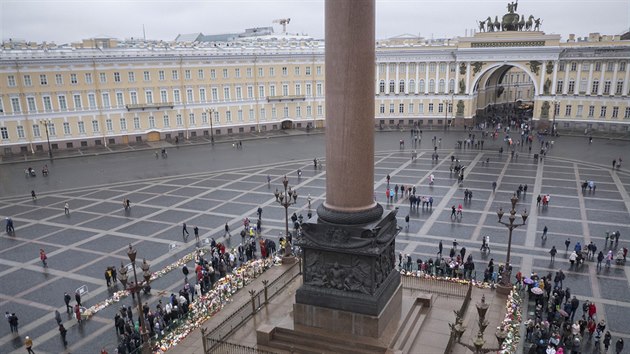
(207, 185)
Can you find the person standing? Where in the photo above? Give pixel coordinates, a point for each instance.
(544, 234)
(553, 252)
(185, 233)
(77, 312)
(57, 317)
(227, 230)
(567, 243)
(440, 248)
(62, 333)
(43, 257)
(13, 323)
(196, 232)
(77, 297)
(66, 209)
(28, 343)
(66, 299)
(494, 186)
(33, 195)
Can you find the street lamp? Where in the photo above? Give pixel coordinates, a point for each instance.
(505, 278)
(286, 199)
(445, 114)
(211, 112)
(553, 125)
(46, 123)
(458, 329)
(135, 287)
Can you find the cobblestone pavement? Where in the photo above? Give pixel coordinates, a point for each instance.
(164, 193)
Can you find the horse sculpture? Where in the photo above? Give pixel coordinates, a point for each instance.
(521, 23)
(490, 24)
(529, 23)
(482, 27)
(497, 24)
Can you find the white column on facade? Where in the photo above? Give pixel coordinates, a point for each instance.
(437, 78)
(448, 73)
(565, 84)
(456, 87)
(468, 88)
(625, 81)
(387, 78)
(577, 79)
(589, 84)
(417, 76)
(396, 87)
(555, 78)
(600, 89)
(406, 77)
(426, 78)
(613, 84)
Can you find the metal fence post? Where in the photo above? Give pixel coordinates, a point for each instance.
(265, 283)
(252, 293)
(300, 265)
(203, 339)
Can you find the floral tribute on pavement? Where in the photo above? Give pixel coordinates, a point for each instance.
(511, 323)
(422, 275)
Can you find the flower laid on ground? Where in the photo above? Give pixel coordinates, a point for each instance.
(511, 323)
(423, 275)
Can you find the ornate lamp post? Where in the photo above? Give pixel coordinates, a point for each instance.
(46, 123)
(505, 279)
(211, 113)
(478, 343)
(445, 102)
(286, 198)
(553, 125)
(135, 288)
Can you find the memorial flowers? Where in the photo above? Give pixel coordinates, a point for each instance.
(511, 323)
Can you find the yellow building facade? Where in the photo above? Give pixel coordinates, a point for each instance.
(106, 92)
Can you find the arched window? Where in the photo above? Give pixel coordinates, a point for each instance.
(381, 86)
(412, 86)
(392, 86)
(421, 86)
(442, 86)
(401, 86)
(451, 85)
(442, 67)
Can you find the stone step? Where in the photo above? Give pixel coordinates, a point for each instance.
(412, 316)
(316, 343)
(408, 333)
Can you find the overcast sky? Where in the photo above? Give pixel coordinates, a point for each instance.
(64, 21)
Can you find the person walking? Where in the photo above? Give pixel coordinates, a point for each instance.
(57, 317)
(185, 233)
(567, 243)
(440, 248)
(43, 257)
(77, 312)
(494, 186)
(619, 346)
(407, 221)
(66, 299)
(66, 209)
(13, 322)
(28, 343)
(62, 333)
(227, 230)
(196, 232)
(553, 253)
(77, 297)
(600, 258)
(544, 234)
(33, 195)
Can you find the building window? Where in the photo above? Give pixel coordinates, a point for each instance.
(120, 100)
(627, 114)
(309, 110)
(47, 103)
(149, 96)
(213, 74)
(619, 88)
(151, 122)
(178, 120)
(285, 90)
(123, 124)
(261, 72)
(440, 107)
(318, 70)
(27, 80)
(284, 71)
(187, 75)
(237, 73)
(116, 77)
(105, 97)
(15, 104)
(92, 100)
(263, 114)
(161, 75)
(63, 106)
(432, 86)
(573, 66)
(392, 86)
(136, 123)
(430, 107)
(163, 96)
(421, 86)
(176, 96)
(583, 85)
(261, 91)
(204, 118)
(441, 88)
(298, 89)
(189, 95)
(11, 81)
(442, 67)
(248, 72)
(174, 74)
(58, 79)
(51, 129)
(146, 76)
(561, 67)
(166, 121)
(410, 109)
(191, 118)
(250, 92)
(382, 109)
(401, 86)
(432, 67)
(615, 112)
(412, 86)
(420, 107)
(4, 132)
(134, 97)
(30, 103)
(607, 87)
(88, 78)
(391, 108)
(591, 111)
(81, 126)
(131, 76)
(226, 93)
(202, 95)
(36, 131)
(297, 71)
(225, 73)
(602, 112)
(571, 88)
(308, 71)
(200, 74)
(401, 108)
(272, 90)
(598, 66)
(250, 114)
(215, 94)
(610, 66)
(451, 86)
(286, 112)
(66, 128)
(95, 127)
(567, 111)
(228, 116)
(239, 93)
(77, 101)
(580, 110)
(320, 110)
(595, 87)
(559, 86)
(109, 125)
(20, 132)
